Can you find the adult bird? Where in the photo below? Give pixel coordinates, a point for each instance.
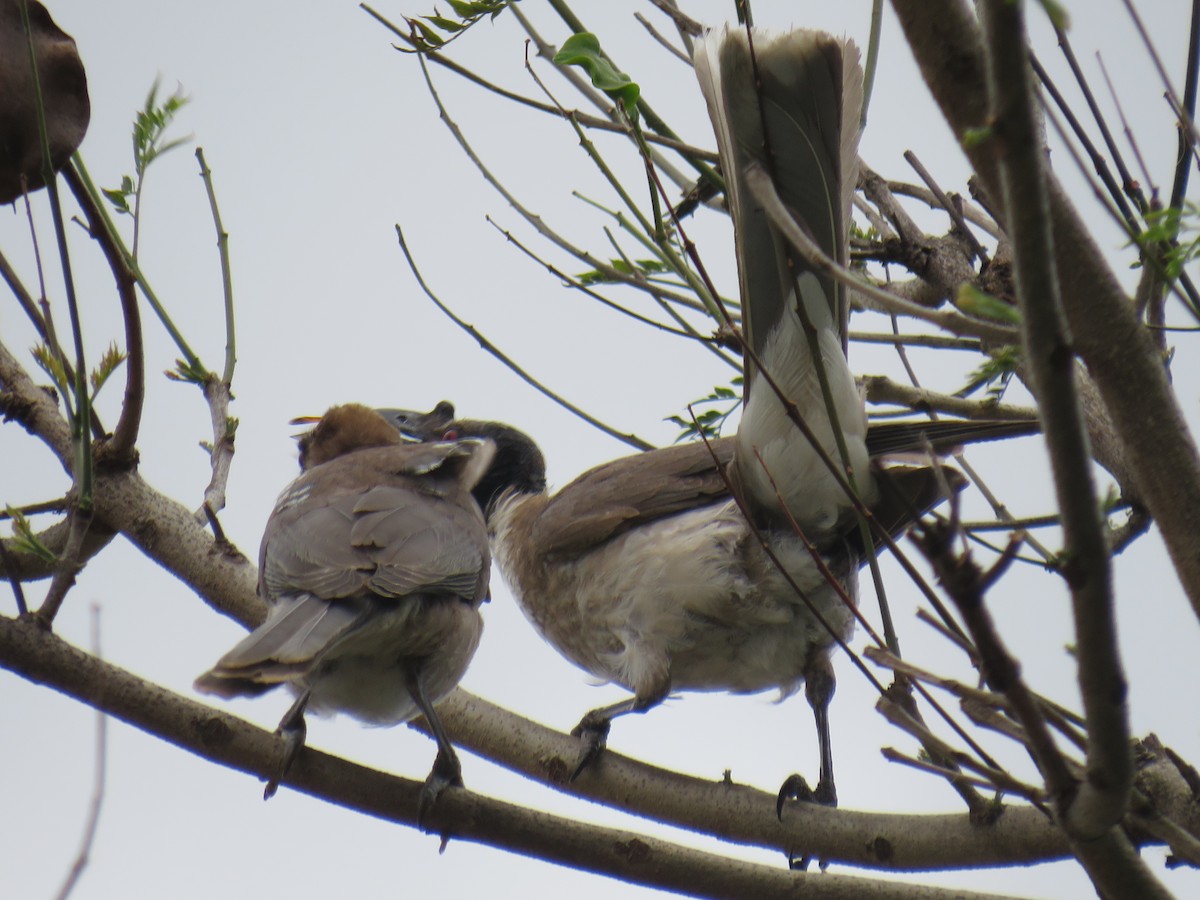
(645, 571)
(374, 562)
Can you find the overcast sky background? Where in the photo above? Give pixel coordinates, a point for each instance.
(321, 138)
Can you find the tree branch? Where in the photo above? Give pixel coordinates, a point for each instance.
(1121, 357)
(41, 657)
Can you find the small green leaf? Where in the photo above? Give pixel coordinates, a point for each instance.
(445, 24)
(973, 137)
(196, 374)
(108, 364)
(974, 302)
(24, 540)
(52, 366)
(583, 50)
(995, 374)
(709, 422)
(429, 37)
(1057, 14)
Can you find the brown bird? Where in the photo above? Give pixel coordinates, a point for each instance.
(374, 562)
(644, 571)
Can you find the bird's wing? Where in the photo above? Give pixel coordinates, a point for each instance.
(297, 629)
(943, 436)
(617, 496)
(390, 520)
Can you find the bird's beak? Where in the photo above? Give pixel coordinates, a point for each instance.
(305, 420)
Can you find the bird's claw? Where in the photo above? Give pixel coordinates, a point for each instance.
(293, 734)
(446, 772)
(796, 788)
(593, 734)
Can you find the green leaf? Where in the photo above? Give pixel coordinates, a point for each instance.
(117, 199)
(709, 422)
(52, 366)
(24, 540)
(151, 123)
(108, 364)
(583, 50)
(974, 302)
(445, 24)
(645, 267)
(1057, 14)
(995, 374)
(431, 40)
(973, 137)
(183, 372)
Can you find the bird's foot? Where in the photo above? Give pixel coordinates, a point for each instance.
(592, 732)
(293, 731)
(796, 788)
(446, 772)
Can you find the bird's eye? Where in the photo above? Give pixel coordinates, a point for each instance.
(451, 435)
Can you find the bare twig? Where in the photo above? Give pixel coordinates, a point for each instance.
(119, 450)
(760, 184)
(14, 580)
(631, 439)
(99, 778)
(663, 42)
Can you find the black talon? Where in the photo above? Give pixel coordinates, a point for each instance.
(794, 788)
(592, 732)
(446, 772)
(293, 730)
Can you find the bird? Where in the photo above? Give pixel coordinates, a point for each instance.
(645, 572)
(374, 563)
(688, 568)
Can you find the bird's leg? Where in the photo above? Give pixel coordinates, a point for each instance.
(593, 728)
(293, 731)
(446, 771)
(819, 685)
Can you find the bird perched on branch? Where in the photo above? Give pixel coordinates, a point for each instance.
(374, 563)
(646, 571)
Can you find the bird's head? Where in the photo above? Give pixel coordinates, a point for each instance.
(518, 466)
(343, 429)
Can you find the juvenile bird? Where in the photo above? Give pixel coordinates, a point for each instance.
(374, 562)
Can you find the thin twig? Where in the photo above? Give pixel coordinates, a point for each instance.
(119, 449)
(936, 341)
(953, 210)
(218, 392)
(881, 389)
(759, 183)
(585, 119)
(630, 439)
(663, 42)
(14, 579)
(99, 777)
(575, 284)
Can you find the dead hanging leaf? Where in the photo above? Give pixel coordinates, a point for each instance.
(64, 98)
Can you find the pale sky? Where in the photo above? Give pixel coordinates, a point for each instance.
(322, 138)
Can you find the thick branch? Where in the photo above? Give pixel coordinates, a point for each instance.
(30, 651)
(1104, 798)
